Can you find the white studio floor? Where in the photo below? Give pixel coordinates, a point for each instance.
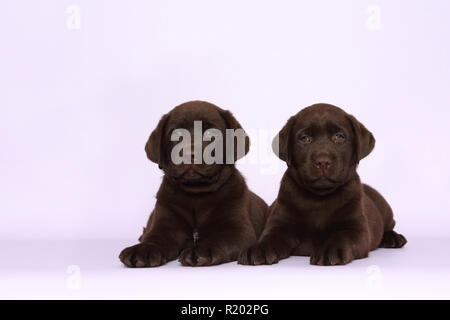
(90, 269)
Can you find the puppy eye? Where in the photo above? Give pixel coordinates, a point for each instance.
(304, 138)
(339, 137)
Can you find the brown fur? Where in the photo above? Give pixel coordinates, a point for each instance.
(203, 219)
(322, 209)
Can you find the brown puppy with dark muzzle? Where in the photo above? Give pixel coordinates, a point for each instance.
(322, 209)
(204, 213)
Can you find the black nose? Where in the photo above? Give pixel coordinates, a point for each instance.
(322, 162)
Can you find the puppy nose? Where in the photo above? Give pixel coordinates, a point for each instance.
(322, 162)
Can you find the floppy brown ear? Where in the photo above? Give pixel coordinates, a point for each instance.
(280, 144)
(365, 141)
(154, 146)
(232, 123)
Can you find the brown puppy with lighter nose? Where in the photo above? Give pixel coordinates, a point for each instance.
(322, 209)
(204, 213)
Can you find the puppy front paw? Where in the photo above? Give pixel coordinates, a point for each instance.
(259, 254)
(201, 255)
(142, 255)
(335, 254)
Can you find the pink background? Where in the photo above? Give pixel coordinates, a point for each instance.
(77, 105)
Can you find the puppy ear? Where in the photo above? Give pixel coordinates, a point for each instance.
(280, 144)
(365, 141)
(232, 123)
(154, 146)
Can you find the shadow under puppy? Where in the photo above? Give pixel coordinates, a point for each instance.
(204, 213)
(322, 209)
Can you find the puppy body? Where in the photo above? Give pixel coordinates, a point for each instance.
(205, 229)
(323, 211)
(204, 214)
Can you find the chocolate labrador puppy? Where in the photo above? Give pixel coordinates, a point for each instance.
(322, 209)
(204, 213)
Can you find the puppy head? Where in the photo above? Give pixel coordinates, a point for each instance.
(192, 131)
(323, 144)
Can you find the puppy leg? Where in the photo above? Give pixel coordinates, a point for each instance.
(204, 253)
(267, 252)
(155, 250)
(340, 248)
(216, 247)
(274, 245)
(392, 239)
(163, 243)
(143, 255)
